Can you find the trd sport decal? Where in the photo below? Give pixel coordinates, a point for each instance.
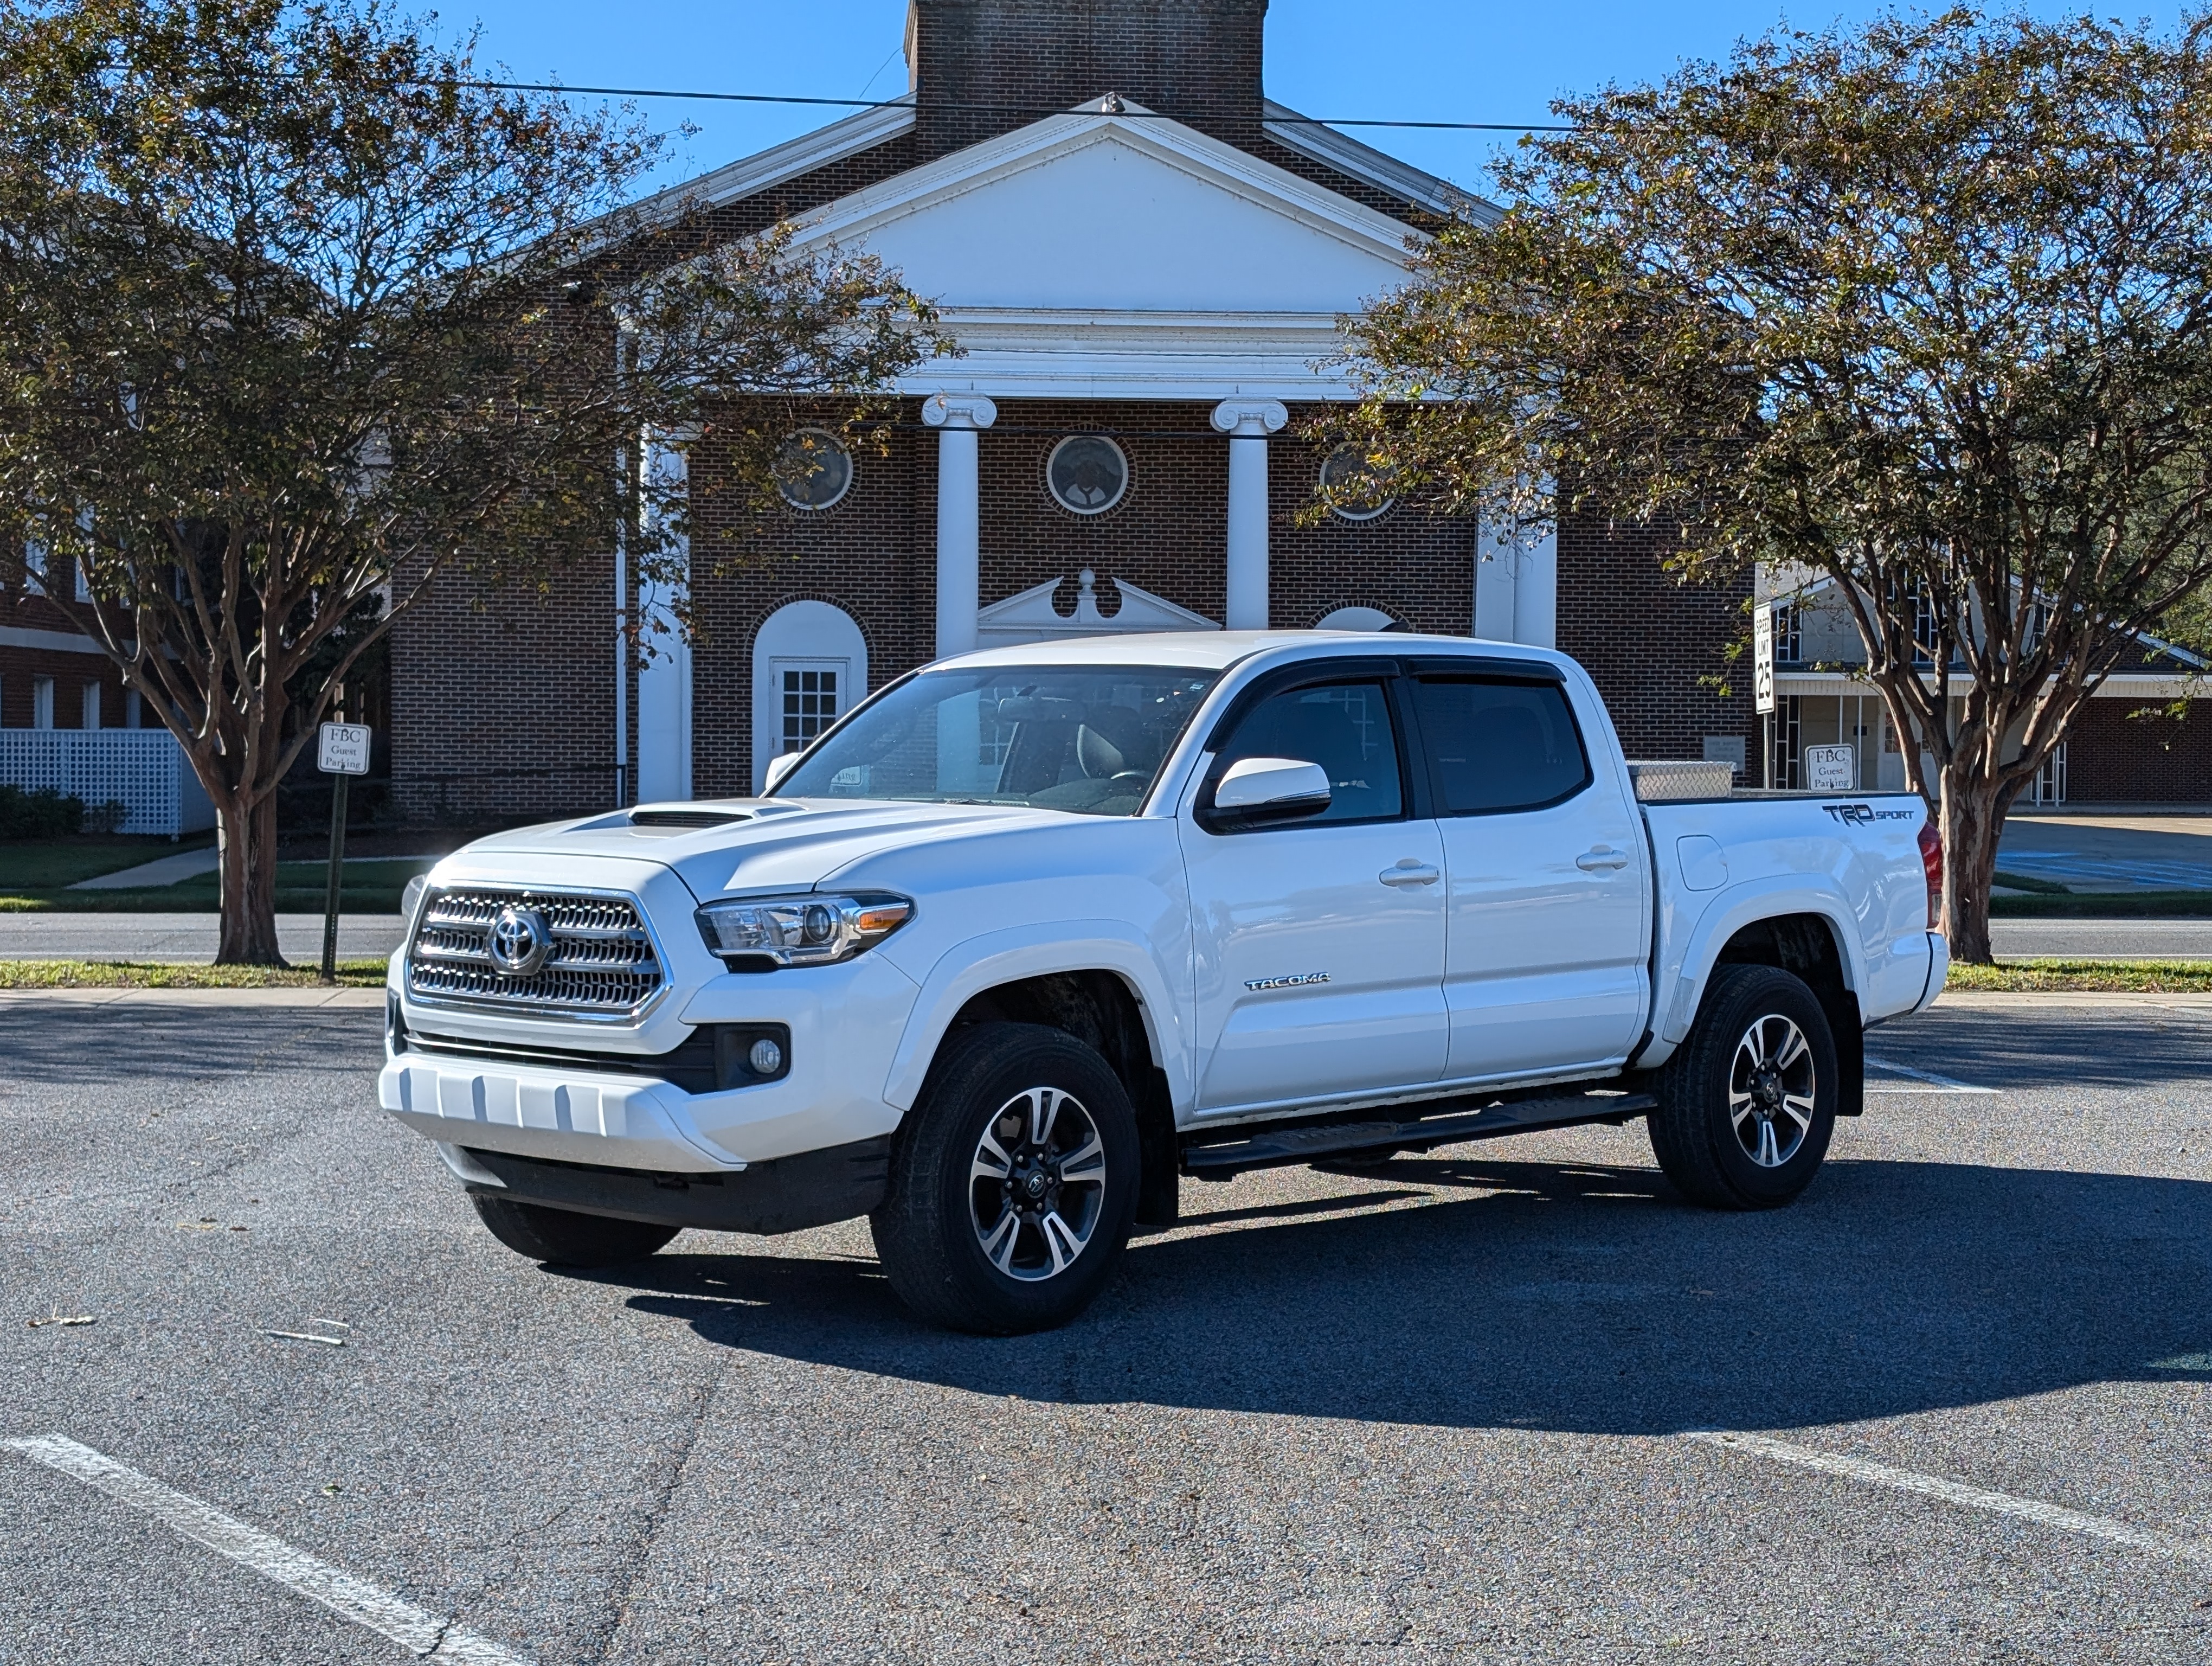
(1866, 813)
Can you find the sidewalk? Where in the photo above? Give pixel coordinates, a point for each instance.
(182, 937)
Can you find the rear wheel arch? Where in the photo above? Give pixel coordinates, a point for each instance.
(1810, 948)
(1102, 1010)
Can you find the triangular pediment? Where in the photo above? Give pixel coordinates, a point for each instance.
(1028, 616)
(1121, 212)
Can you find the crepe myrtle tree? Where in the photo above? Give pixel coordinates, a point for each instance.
(1925, 308)
(297, 315)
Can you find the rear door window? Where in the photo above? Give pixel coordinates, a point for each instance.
(1495, 745)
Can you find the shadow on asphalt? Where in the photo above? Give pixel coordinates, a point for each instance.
(1568, 1298)
(2078, 1046)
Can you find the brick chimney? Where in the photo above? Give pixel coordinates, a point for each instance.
(1196, 60)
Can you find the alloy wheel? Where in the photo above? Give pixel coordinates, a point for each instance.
(1036, 1185)
(1772, 1090)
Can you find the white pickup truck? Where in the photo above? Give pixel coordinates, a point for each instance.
(1031, 935)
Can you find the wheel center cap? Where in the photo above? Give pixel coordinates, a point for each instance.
(1035, 1184)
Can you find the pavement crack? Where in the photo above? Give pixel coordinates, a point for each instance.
(663, 1495)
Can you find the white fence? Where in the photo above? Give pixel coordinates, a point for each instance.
(143, 768)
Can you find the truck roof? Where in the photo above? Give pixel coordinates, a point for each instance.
(1216, 650)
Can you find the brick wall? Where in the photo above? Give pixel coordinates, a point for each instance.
(872, 554)
(1647, 640)
(1196, 60)
(1418, 568)
(502, 703)
(2113, 757)
(70, 671)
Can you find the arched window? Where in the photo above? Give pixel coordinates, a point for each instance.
(810, 667)
(1359, 618)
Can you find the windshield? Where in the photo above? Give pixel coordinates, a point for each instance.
(1088, 739)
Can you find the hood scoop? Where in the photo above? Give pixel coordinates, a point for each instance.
(676, 820)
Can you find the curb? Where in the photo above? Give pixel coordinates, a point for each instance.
(2031, 1001)
(279, 999)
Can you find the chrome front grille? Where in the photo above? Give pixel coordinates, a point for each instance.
(601, 963)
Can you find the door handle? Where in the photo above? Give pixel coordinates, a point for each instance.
(1605, 856)
(1410, 870)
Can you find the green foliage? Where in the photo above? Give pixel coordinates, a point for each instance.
(41, 814)
(297, 317)
(1926, 308)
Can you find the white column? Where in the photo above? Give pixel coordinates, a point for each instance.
(1517, 585)
(1496, 554)
(1536, 590)
(957, 419)
(1247, 423)
(664, 676)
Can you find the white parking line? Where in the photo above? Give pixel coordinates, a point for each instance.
(1946, 1083)
(1951, 1491)
(415, 1629)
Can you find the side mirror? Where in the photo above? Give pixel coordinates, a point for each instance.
(1253, 792)
(779, 768)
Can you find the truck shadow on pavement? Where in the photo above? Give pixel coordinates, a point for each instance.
(1564, 1296)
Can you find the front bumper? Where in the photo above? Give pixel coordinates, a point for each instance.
(787, 1194)
(843, 1024)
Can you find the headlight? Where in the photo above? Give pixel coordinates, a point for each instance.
(411, 896)
(809, 930)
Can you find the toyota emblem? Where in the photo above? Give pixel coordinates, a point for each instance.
(519, 940)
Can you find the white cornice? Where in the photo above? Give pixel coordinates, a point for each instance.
(1041, 354)
(1331, 149)
(49, 641)
(1221, 165)
(750, 175)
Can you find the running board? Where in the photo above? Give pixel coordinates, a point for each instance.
(1265, 1147)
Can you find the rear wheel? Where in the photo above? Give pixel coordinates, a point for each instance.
(1747, 1103)
(566, 1238)
(1014, 1185)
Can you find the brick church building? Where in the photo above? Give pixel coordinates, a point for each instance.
(1145, 260)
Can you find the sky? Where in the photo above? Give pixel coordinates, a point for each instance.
(1437, 60)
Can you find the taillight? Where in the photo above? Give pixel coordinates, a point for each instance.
(1931, 859)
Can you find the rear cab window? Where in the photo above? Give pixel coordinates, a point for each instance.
(1497, 744)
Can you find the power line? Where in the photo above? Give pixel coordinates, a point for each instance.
(988, 109)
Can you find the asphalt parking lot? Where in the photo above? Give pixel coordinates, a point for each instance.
(1446, 1409)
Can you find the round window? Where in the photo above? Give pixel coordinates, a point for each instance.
(1346, 469)
(813, 469)
(1087, 473)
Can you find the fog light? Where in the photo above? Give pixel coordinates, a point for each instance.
(766, 1058)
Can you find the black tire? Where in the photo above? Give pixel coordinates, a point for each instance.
(566, 1238)
(972, 1251)
(1727, 1130)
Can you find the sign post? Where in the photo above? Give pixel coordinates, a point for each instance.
(1762, 676)
(341, 752)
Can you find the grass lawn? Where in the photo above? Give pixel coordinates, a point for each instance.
(35, 864)
(128, 974)
(2140, 977)
(368, 888)
(2104, 905)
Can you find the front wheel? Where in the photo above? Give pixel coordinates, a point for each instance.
(566, 1237)
(1014, 1184)
(1747, 1102)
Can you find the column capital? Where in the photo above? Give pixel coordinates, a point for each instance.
(958, 411)
(1251, 419)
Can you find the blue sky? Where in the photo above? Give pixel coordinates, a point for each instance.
(1421, 59)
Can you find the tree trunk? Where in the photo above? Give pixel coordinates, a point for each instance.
(246, 835)
(1971, 816)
